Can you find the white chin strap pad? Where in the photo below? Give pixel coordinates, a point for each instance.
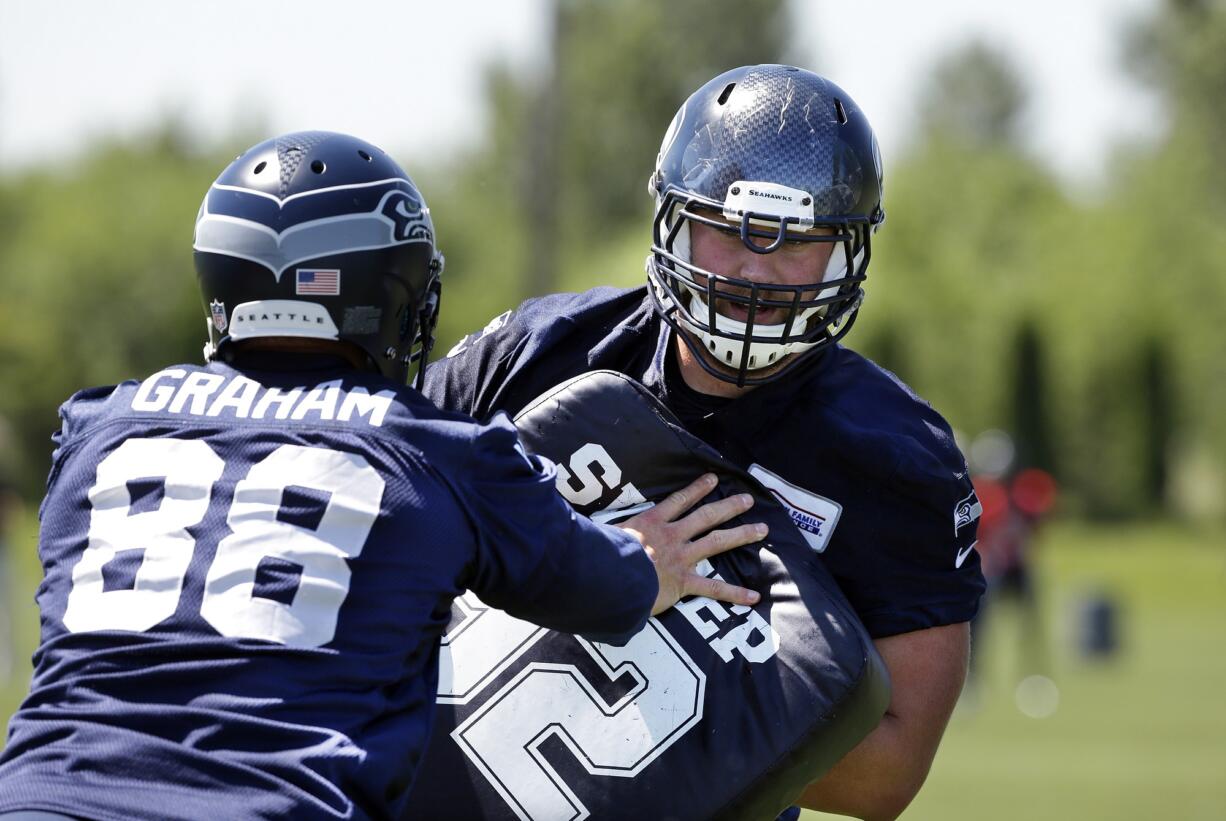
(728, 352)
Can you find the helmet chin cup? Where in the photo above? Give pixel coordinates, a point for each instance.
(736, 342)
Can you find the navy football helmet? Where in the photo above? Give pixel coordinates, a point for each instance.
(773, 152)
(318, 235)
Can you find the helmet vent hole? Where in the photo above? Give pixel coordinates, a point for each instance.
(726, 93)
(363, 155)
(318, 166)
(260, 166)
(839, 111)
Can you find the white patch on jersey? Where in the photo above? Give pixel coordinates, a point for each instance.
(815, 516)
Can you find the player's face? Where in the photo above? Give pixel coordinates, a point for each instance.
(723, 253)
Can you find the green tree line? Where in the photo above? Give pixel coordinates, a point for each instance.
(1090, 323)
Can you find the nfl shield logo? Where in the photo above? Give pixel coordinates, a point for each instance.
(218, 310)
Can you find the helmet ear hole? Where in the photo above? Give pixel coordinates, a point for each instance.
(318, 167)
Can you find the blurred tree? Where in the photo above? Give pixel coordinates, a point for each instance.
(623, 69)
(963, 253)
(1176, 191)
(975, 97)
(982, 238)
(1157, 418)
(571, 144)
(1031, 431)
(97, 276)
(540, 164)
(885, 347)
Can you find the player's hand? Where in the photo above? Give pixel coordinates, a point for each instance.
(666, 536)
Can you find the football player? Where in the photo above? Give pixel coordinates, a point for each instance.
(768, 193)
(248, 565)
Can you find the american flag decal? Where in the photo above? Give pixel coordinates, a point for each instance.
(318, 281)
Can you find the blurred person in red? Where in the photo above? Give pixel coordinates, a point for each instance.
(1014, 504)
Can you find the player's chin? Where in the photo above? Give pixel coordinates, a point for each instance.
(755, 373)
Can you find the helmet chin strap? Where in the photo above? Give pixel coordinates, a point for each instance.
(728, 346)
(728, 351)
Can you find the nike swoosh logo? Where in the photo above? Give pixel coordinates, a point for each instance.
(962, 554)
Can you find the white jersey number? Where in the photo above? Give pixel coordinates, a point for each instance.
(188, 469)
(502, 737)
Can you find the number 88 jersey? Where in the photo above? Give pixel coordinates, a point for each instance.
(246, 579)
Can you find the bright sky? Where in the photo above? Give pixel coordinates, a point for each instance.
(407, 75)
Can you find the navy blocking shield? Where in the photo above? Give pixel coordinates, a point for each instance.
(712, 711)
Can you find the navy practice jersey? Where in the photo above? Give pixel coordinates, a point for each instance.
(246, 578)
(869, 471)
(711, 712)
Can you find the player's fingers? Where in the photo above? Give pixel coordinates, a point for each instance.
(720, 591)
(715, 513)
(680, 501)
(717, 541)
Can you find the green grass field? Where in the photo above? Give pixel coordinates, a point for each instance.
(1139, 736)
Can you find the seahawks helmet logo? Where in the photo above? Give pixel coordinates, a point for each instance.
(408, 217)
(278, 234)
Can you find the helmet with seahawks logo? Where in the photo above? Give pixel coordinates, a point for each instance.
(317, 235)
(774, 154)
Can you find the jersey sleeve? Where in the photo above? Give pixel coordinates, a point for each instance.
(541, 343)
(927, 572)
(77, 414)
(465, 378)
(539, 560)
